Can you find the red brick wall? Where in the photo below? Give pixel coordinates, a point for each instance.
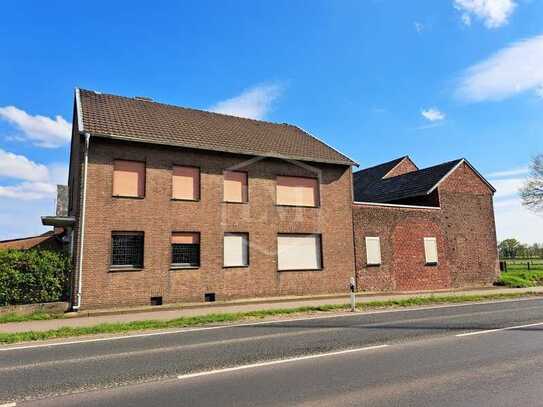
(463, 226)
(405, 166)
(157, 216)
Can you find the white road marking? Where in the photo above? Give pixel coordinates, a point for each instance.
(488, 331)
(280, 361)
(268, 322)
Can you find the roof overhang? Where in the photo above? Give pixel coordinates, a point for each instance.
(58, 221)
(224, 150)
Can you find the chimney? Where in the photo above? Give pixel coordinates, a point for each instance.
(62, 200)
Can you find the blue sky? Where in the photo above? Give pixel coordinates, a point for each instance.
(377, 79)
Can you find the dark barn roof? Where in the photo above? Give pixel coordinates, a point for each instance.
(410, 185)
(140, 120)
(364, 178)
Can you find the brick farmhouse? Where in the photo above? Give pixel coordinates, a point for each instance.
(169, 204)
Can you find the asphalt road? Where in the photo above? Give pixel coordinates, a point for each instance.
(411, 357)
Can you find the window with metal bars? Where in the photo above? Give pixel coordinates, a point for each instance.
(186, 254)
(127, 249)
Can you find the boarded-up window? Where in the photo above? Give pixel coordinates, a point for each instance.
(430, 250)
(297, 191)
(235, 186)
(236, 249)
(373, 251)
(299, 252)
(129, 179)
(186, 183)
(185, 249)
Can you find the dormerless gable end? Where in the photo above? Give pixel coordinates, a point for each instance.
(137, 120)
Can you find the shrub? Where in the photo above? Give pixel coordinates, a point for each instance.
(520, 279)
(32, 276)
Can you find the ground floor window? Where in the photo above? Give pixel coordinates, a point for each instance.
(127, 249)
(299, 252)
(373, 251)
(430, 250)
(185, 249)
(236, 250)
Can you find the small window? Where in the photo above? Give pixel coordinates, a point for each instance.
(236, 250)
(185, 249)
(373, 251)
(186, 183)
(235, 186)
(430, 250)
(127, 249)
(128, 179)
(297, 191)
(299, 252)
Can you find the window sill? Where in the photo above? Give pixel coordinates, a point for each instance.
(114, 269)
(174, 267)
(235, 267)
(373, 265)
(296, 270)
(127, 197)
(431, 264)
(296, 206)
(184, 200)
(234, 202)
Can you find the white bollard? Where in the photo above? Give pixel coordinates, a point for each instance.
(352, 286)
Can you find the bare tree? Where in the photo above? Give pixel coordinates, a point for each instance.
(532, 191)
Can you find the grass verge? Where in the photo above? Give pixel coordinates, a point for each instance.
(521, 279)
(35, 316)
(110, 328)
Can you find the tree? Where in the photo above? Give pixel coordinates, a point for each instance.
(509, 248)
(532, 191)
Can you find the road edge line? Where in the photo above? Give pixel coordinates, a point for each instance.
(279, 361)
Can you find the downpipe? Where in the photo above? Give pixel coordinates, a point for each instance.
(82, 225)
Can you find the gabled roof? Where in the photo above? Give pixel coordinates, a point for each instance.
(139, 120)
(364, 178)
(27, 242)
(409, 185)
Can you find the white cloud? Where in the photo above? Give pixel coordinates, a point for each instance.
(432, 114)
(515, 221)
(507, 187)
(419, 27)
(20, 167)
(494, 13)
(509, 173)
(39, 180)
(253, 103)
(41, 130)
(29, 191)
(510, 71)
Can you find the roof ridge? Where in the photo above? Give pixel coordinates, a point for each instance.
(426, 168)
(186, 108)
(399, 159)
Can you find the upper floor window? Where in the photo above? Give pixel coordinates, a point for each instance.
(430, 250)
(297, 191)
(185, 249)
(235, 186)
(186, 183)
(127, 250)
(129, 179)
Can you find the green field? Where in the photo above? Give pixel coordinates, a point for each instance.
(522, 273)
(524, 265)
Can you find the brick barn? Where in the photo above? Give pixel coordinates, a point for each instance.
(169, 204)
